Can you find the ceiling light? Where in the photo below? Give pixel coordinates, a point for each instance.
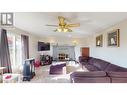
(59, 30)
(65, 30)
(75, 42)
(63, 26)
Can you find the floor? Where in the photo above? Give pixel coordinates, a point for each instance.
(43, 76)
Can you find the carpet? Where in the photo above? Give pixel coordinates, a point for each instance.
(43, 76)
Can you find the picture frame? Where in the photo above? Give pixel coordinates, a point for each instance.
(114, 38)
(99, 41)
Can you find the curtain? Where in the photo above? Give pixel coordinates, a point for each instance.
(25, 47)
(4, 52)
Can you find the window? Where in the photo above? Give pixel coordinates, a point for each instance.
(6, 18)
(14, 42)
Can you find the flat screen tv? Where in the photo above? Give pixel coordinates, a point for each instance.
(42, 46)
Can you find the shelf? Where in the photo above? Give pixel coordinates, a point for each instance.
(62, 56)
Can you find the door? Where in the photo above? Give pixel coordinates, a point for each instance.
(85, 51)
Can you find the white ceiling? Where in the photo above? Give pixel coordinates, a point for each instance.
(90, 22)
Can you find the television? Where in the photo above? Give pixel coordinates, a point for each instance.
(42, 46)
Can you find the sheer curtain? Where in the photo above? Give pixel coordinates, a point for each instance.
(14, 42)
(4, 52)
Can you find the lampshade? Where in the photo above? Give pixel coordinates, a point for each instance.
(59, 30)
(63, 30)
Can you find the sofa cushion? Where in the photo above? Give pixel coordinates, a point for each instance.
(91, 80)
(101, 64)
(118, 80)
(92, 68)
(88, 74)
(83, 59)
(90, 61)
(83, 63)
(112, 67)
(117, 74)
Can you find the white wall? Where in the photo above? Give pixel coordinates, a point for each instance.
(116, 55)
(80, 42)
(33, 47)
(33, 42)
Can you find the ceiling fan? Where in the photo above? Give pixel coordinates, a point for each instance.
(63, 26)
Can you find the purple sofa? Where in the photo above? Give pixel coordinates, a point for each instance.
(100, 71)
(89, 77)
(57, 69)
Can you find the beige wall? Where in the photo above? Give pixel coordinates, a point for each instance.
(116, 55)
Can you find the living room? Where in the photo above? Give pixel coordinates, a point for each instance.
(90, 31)
(54, 47)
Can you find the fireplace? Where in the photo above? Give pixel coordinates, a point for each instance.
(63, 53)
(63, 56)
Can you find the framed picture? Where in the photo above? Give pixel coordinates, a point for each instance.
(99, 41)
(113, 38)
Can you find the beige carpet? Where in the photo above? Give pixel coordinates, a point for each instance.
(43, 76)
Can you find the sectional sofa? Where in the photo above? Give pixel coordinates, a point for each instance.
(99, 71)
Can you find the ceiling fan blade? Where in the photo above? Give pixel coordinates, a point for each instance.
(61, 20)
(73, 25)
(52, 25)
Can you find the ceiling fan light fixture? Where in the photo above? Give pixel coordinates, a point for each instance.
(69, 30)
(63, 26)
(65, 30)
(59, 30)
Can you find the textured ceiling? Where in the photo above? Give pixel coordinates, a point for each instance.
(90, 22)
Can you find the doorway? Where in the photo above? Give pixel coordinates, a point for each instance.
(85, 51)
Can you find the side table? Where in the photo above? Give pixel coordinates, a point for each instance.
(12, 78)
(1, 73)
